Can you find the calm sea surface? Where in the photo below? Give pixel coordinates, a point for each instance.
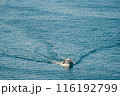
(35, 33)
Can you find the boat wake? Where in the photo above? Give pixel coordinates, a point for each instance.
(55, 55)
(18, 57)
(94, 51)
(49, 60)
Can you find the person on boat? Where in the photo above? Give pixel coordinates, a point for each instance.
(67, 60)
(64, 61)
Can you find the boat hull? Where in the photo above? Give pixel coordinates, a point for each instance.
(67, 65)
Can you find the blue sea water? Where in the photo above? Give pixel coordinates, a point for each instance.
(35, 33)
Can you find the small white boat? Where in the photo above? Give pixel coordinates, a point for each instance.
(67, 63)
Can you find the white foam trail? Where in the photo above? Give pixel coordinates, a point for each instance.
(51, 60)
(57, 62)
(53, 49)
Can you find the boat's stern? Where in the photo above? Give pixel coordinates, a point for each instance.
(67, 63)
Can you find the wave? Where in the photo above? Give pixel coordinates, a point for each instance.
(94, 51)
